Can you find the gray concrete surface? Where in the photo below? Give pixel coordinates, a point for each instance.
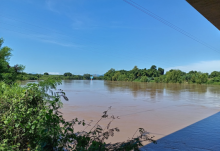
(203, 135)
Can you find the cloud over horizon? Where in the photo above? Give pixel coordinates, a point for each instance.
(54, 73)
(203, 66)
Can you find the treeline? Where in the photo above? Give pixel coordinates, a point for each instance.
(65, 76)
(143, 75)
(157, 75)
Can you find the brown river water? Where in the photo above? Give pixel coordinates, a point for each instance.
(160, 109)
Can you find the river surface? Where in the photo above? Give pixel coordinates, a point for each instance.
(160, 109)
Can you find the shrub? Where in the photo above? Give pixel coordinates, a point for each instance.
(144, 79)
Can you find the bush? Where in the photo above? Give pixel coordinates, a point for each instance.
(67, 74)
(144, 79)
(215, 80)
(122, 78)
(157, 80)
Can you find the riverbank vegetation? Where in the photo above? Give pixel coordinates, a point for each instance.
(157, 75)
(65, 76)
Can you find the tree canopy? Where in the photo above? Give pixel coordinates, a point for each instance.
(134, 74)
(8, 73)
(67, 74)
(157, 75)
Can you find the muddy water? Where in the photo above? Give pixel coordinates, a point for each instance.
(161, 109)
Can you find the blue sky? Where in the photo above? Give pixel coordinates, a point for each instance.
(92, 36)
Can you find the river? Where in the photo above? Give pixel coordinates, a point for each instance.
(160, 109)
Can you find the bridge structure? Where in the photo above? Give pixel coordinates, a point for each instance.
(210, 9)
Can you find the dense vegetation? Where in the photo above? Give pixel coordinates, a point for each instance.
(157, 75)
(65, 76)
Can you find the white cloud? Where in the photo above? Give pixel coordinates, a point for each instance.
(61, 43)
(52, 39)
(203, 66)
(54, 73)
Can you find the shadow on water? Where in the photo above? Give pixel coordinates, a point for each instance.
(202, 135)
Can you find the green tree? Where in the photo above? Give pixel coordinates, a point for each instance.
(108, 75)
(215, 74)
(161, 71)
(116, 75)
(202, 78)
(144, 79)
(8, 73)
(67, 74)
(153, 67)
(122, 77)
(76, 77)
(46, 73)
(134, 71)
(174, 76)
(86, 76)
(131, 77)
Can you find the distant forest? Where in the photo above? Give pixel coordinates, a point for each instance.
(65, 76)
(157, 75)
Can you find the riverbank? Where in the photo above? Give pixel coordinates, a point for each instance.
(208, 83)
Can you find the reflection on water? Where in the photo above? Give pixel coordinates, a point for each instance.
(192, 92)
(155, 88)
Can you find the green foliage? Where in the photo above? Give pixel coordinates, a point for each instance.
(160, 71)
(215, 74)
(8, 73)
(157, 80)
(173, 76)
(153, 67)
(177, 76)
(86, 77)
(24, 115)
(108, 75)
(46, 73)
(122, 78)
(144, 79)
(202, 78)
(215, 80)
(131, 77)
(135, 74)
(67, 74)
(25, 76)
(116, 75)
